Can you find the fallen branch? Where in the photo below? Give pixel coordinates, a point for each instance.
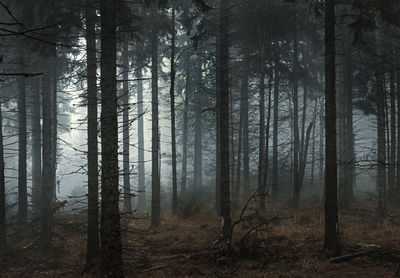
(349, 257)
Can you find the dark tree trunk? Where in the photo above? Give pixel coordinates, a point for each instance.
(261, 154)
(54, 135)
(185, 127)
(173, 132)
(275, 134)
(225, 219)
(296, 185)
(3, 227)
(246, 142)
(381, 152)
(22, 143)
(321, 148)
(111, 250)
(331, 208)
(47, 177)
(125, 127)
(398, 139)
(198, 130)
(392, 168)
(313, 146)
(36, 144)
(93, 172)
(263, 189)
(141, 171)
(155, 171)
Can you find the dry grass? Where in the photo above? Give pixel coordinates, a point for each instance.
(283, 248)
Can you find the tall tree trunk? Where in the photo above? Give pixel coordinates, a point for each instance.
(246, 142)
(197, 180)
(155, 171)
(275, 134)
(54, 135)
(331, 209)
(398, 138)
(185, 126)
(296, 185)
(125, 127)
(141, 171)
(381, 153)
(93, 172)
(218, 124)
(313, 146)
(321, 148)
(243, 94)
(47, 178)
(111, 249)
(36, 144)
(22, 142)
(261, 154)
(3, 226)
(392, 168)
(225, 219)
(263, 189)
(350, 151)
(173, 133)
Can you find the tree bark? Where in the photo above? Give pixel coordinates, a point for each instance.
(392, 166)
(155, 171)
(296, 186)
(36, 144)
(3, 226)
(225, 220)
(331, 208)
(111, 250)
(22, 142)
(125, 127)
(93, 172)
(198, 130)
(141, 171)
(185, 126)
(173, 132)
(275, 131)
(381, 152)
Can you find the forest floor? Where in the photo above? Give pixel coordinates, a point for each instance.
(288, 246)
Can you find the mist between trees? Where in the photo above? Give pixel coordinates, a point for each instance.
(123, 119)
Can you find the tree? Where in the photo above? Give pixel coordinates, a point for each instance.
(225, 223)
(155, 137)
(93, 173)
(331, 209)
(111, 250)
(173, 132)
(125, 127)
(3, 227)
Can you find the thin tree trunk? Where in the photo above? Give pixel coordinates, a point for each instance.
(47, 181)
(321, 148)
(3, 226)
(381, 153)
(261, 154)
(36, 144)
(155, 171)
(125, 129)
(54, 135)
(218, 124)
(275, 157)
(225, 219)
(22, 143)
(93, 172)
(398, 139)
(331, 209)
(185, 127)
(173, 135)
(392, 168)
(263, 189)
(198, 129)
(111, 249)
(313, 146)
(141, 175)
(296, 185)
